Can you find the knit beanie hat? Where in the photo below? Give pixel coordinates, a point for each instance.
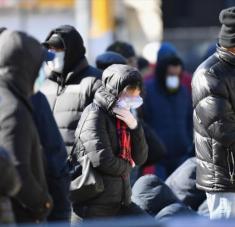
(227, 33)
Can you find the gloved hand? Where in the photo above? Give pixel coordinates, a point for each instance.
(126, 116)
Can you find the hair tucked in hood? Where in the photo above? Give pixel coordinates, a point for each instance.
(114, 79)
(20, 60)
(74, 46)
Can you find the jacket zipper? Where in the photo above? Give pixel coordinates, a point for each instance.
(231, 168)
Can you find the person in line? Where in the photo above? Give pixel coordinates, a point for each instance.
(20, 60)
(71, 82)
(114, 142)
(214, 122)
(168, 110)
(57, 171)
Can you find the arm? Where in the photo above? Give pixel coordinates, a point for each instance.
(56, 156)
(139, 145)
(156, 149)
(216, 112)
(95, 139)
(17, 139)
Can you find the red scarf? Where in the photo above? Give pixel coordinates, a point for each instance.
(125, 142)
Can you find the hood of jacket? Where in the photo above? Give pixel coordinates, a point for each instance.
(161, 69)
(152, 195)
(74, 48)
(20, 60)
(114, 79)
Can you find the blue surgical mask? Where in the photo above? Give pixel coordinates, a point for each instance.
(130, 102)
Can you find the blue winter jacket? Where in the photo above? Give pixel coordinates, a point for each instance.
(170, 116)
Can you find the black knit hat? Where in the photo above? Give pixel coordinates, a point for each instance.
(227, 33)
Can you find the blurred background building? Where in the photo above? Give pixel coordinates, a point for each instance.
(191, 25)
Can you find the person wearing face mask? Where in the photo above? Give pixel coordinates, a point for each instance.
(114, 141)
(168, 110)
(71, 82)
(20, 60)
(156, 149)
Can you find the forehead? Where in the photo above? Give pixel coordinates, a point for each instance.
(131, 92)
(55, 48)
(174, 69)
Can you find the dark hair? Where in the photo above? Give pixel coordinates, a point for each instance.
(123, 48)
(142, 63)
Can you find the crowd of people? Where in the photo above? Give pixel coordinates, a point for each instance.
(117, 138)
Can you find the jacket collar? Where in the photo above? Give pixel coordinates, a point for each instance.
(225, 55)
(81, 66)
(62, 80)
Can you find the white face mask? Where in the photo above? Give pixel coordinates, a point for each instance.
(130, 102)
(57, 64)
(172, 82)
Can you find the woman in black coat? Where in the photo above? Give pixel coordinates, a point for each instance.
(113, 140)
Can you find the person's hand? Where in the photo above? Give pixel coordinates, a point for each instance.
(126, 116)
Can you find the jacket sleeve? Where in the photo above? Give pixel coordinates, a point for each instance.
(10, 181)
(96, 142)
(17, 139)
(56, 156)
(139, 145)
(156, 149)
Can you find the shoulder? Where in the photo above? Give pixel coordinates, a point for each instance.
(210, 67)
(150, 84)
(93, 72)
(13, 112)
(48, 86)
(39, 99)
(92, 113)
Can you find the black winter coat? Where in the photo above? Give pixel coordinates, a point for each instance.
(100, 141)
(213, 89)
(70, 92)
(20, 61)
(9, 186)
(57, 172)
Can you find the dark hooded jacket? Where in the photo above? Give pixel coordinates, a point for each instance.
(20, 60)
(9, 186)
(169, 115)
(183, 183)
(156, 198)
(70, 92)
(214, 122)
(100, 141)
(57, 173)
